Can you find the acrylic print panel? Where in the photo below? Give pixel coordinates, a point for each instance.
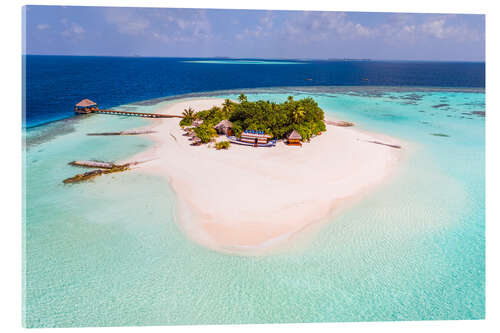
(196, 166)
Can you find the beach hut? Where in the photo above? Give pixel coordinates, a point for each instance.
(197, 122)
(224, 127)
(293, 139)
(85, 106)
(196, 141)
(255, 137)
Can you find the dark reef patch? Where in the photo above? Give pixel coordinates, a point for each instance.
(37, 135)
(440, 105)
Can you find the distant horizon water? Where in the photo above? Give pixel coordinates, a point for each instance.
(256, 58)
(54, 84)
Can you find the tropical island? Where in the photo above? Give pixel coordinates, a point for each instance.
(249, 201)
(256, 122)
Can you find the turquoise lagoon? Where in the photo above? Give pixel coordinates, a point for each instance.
(109, 253)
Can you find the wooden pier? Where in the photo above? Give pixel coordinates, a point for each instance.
(87, 106)
(135, 114)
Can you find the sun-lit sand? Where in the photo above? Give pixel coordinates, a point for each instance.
(247, 199)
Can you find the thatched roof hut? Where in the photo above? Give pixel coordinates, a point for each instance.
(224, 127)
(197, 122)
(294, 138)
(85, 106)
(294, 135)
(85, 103)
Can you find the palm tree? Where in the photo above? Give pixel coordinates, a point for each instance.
(227, 106)
(189, 114)
(242, 98)
(290, 98)
(298, 114)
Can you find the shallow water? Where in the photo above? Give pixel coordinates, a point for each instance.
(108, 252)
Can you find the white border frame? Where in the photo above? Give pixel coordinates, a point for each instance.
(10, 242)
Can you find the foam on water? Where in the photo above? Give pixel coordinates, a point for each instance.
(108, 252)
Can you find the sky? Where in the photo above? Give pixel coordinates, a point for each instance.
(174, 32)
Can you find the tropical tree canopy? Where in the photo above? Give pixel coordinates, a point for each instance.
(242, 98)
(188, 116)
(276, 119)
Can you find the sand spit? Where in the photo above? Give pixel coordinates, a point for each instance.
(247, 200)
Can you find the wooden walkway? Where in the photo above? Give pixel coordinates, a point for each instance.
(136, 114)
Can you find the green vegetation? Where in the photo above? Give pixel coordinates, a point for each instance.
(276, 119)
(242, 98)
(222, 145)
(205, 132)
(185, 122)
(189, 115)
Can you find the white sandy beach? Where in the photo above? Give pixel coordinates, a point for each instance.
(246, 199)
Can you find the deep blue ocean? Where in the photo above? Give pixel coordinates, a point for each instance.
(54, 84)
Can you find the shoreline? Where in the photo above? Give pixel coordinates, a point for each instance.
(280, 89)
(241, 201)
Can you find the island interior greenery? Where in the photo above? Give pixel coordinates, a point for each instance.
(275, 119)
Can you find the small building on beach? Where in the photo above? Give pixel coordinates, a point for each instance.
(85, 106)
(224, 127)
(197, 122)
(293, 139)
(255, 137)
(196, 141)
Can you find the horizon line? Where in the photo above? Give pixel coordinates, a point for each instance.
(250, 58)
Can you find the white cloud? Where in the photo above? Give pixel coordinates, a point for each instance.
(184, 26)
(73, 30)
(167, 25)
(319, 26)
(434, 28)
(194, 26)
(411, 28)
(363, 31)
(127, 21)
(43, 26)
(443, 27)
(263, 29)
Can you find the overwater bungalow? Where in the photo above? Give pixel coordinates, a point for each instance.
(224, 127)
(85, 106)
(293, 139)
